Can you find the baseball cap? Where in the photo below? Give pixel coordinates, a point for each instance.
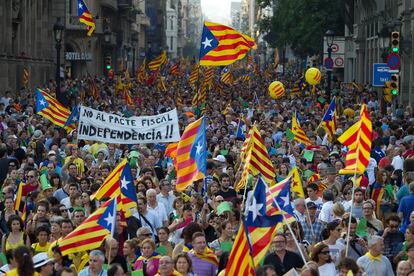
(311, 204)
(220, 158)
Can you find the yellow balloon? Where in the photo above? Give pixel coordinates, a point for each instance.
(276, 90)
(313, 76)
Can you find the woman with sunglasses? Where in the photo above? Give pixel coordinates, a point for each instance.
(321, 255)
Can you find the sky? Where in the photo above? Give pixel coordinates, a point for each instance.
(217, 10)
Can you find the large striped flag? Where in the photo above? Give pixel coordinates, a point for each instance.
(141, 73)
(329, 120)
(158, 61)
(85, 17)
(261, 226)
(120, 184)
(87, 236)
(127, 97)
(191, 155)
(358, 140)
(174, 70)
(240, 260)
(50, 108)
(257, 160)
(273, 193)
(222, 45)
(300, 135)
(377, 195)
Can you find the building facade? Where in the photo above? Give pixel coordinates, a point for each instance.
(368, 28)
(171, 31)
(235, 8)
(26, 31)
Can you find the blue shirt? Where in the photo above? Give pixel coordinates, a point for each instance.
(406, 207)
(85, 272)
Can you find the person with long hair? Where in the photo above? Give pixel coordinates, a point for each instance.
(16, 236)
(224, 242)
(6, 213)
(331, 234)
(24, 263)
(129, 251)
(164, 246)
(321, 255)
(299, 234)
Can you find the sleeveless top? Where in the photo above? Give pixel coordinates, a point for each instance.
(15, 245)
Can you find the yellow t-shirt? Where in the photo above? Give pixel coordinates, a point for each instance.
(349, 113)
(14, 272)
(94, 149)
(80, 165)
(39, 249)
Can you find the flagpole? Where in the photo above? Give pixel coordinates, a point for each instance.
(312, 231)
(352, 200)
(291, 232)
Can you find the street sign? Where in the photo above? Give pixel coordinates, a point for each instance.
(381, 74)
(328, 63)
(393, 61)
(339, 62)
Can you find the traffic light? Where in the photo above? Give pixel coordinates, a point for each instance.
(395, 42)
(394, 84)
(108, 63)
(387, 92)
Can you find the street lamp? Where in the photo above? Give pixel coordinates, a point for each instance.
(58, 29)
(329, 42)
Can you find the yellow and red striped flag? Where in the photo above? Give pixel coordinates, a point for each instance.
(240, 260)
(300, 135)
(25, 77)
(87, 236)
(51, 109)
(249, 59)
(141, 73)
(119, 183)
(85, 17)
(257, 159)
(222, 45)
(193, 75)
(158, 61)
(191, 155)
(127, 97)
(227, 78)
(208, 77)
(358, 139)
(93, 89)
(174, 70)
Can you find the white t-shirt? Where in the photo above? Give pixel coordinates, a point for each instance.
(397, 162)
(371, 170)
(326, 212)
(327, 269)
(335, 251)
(160, 212)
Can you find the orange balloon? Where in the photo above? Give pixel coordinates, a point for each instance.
(276, 90)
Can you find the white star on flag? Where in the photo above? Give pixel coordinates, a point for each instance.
(109, 219)
(199, 148)
(285, 200)
(42, 102)
(207, 42)
(124, 183)
(80, 6)
(255, 208)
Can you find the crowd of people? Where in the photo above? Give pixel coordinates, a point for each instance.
(192, 233)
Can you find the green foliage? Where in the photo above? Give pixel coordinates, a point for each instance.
(302, 23)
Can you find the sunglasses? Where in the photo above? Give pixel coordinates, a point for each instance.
(324, 252)
(30, 176)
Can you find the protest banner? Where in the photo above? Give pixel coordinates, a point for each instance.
(110, 128)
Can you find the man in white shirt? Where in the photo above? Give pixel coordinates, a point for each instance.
(157, 207)
(372, 165)
(397, 161)
(147, 217)
(166, 196)
(326, 214)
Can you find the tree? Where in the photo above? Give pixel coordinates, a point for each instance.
(301, 23)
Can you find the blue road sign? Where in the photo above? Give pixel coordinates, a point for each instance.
(381, 74)
(329, 63)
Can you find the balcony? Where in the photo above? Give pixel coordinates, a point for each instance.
(142, 19)
(73, 24)
(112, 4)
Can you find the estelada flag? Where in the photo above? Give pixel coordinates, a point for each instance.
(222, 45)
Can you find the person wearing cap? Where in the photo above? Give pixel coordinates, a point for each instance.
(38, 146)
(220, 162)
(43, 264)
(312, 226)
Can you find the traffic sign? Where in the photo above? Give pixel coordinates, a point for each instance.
(339, 62)
(381, 74)
(328, 63)
(393, 61)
